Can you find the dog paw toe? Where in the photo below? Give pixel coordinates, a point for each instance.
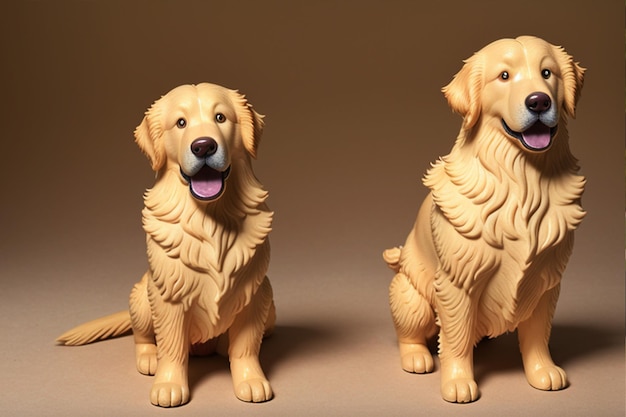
(146, 358)
(548, 378)
(416, 358)
(169, 394)
(254, 390)
(460, 391)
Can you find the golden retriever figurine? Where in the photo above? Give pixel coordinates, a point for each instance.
(493, 236)
(207, 226)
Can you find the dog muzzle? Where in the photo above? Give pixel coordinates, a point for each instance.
(208, 183)
(537, 137)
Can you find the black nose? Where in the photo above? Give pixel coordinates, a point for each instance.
(538, 102)
(202, 147)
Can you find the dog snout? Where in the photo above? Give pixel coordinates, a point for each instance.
(538, 102)
(203, 147)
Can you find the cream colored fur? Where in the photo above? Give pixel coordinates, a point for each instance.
(205, 289)
(494, 234)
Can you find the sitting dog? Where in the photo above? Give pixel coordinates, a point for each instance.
(207, 225)
(493, 236)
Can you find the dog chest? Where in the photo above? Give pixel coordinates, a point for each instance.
(516, 287)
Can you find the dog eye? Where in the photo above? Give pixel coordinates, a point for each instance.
(181, 123)
(504, 75)
(545, 73)
(220, 118)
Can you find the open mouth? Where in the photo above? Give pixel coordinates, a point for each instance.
(207, 184)
(538, 137)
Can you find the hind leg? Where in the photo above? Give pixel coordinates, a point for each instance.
(414, 320)
(143, 329)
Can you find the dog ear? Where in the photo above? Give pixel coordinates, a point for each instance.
(573, 79)
(251, 123)
(148, 136)
(464, 91)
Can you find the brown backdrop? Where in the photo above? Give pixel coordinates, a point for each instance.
(351, 91)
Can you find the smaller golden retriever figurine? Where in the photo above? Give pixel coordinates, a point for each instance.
(493, 236)
(207, 224)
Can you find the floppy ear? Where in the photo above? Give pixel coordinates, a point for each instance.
(573, 79)
(251, 123)
(148, 135)
(464, 91)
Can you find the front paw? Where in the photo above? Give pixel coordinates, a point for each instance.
(460, 390)
(254, 390)
(169, 394)
(547, 378)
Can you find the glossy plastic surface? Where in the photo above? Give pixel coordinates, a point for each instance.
(494, 235)
(207, 229)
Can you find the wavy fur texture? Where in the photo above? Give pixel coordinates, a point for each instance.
(114, 325)
(205, 289)
(493, 237)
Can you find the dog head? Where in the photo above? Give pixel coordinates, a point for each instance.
(198, 130)
(522, 86)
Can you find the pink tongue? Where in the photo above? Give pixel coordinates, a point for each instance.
(207, 183)
(537, 136)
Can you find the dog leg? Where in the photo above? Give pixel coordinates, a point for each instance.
(143, 330)
(414, 320)
(456, 344)
(245, 336)
(457, 377)
(171, 387)
(222, 344)
(534, 334)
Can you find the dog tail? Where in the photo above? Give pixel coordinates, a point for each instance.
(103, 328)
(392, 257)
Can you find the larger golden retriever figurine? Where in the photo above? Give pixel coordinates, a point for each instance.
(207, 225)
(494, 234)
